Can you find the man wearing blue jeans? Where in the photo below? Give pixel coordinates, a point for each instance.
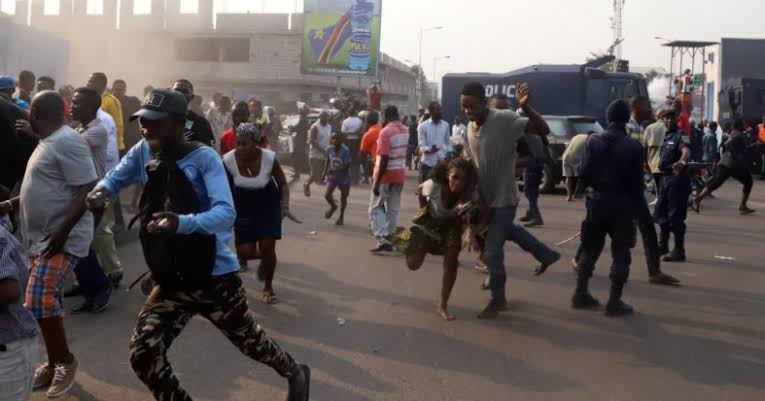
(533, 172)
(492, 140)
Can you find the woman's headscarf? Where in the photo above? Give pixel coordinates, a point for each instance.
(251, 131)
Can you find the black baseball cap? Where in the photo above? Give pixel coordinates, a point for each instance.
(161, 103)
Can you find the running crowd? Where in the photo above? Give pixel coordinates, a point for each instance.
(197, 175)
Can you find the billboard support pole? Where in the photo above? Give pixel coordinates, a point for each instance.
(337, 84)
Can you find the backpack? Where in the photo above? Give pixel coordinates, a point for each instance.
(176, 261)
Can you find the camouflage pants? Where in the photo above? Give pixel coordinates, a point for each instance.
(166, 313)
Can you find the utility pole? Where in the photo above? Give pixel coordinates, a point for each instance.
(616, 27)
(419, 62)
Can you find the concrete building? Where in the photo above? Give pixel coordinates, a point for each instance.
(241, 55)
(23, 47)
(736, 76)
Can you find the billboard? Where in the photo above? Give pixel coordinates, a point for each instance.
(341, 37)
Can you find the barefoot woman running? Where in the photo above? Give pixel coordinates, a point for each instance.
(261, 198)
(444, 198)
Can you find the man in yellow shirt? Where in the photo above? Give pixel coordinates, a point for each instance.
(110, 105)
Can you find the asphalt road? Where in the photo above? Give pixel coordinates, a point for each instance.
(367, 327)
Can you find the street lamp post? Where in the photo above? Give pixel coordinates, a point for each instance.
(435, 60)
(419, 63)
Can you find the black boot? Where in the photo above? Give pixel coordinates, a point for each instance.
(615, 306)
(663, 242)
(677, 254)
(535, 220)
(299, 384)
(526, 217)
(582, 298)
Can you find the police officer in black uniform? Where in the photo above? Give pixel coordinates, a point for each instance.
(613, 169)
(672, 208)
(641, 111)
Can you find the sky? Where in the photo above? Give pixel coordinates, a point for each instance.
(502, 35)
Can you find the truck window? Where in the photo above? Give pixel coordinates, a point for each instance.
(586, 127)
(622, 89)
(558, 128)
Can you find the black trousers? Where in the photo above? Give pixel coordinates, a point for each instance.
(657, 182)
(607, 215)
(645, 225)
(722, 173)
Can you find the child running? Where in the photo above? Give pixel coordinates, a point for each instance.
(336, 172)
(445, 198)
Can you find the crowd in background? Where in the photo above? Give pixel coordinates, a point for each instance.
(62, 146)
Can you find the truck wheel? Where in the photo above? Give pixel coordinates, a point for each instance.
(548, 182)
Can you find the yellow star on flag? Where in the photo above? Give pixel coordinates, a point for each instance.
(319, 34)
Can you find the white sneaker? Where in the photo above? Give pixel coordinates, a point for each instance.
(479, 266)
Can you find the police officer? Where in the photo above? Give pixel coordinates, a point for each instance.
(613, 169)
(672, 208)
(641, 111)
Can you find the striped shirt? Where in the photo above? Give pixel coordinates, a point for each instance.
(16, 322)
(393, 142)
(635, 130)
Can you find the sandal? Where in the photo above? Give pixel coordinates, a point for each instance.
(696, 206)
(268, 298)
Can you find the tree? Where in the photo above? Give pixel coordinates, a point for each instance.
(426, 97)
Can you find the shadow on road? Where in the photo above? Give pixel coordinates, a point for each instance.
(399, 343)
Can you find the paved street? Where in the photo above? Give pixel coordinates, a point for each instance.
(702, 342)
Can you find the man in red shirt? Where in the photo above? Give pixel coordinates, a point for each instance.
(374, 96)
(684, 122)
(389, 176)
(369, 143)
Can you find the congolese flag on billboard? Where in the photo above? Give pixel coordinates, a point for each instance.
(341, 37)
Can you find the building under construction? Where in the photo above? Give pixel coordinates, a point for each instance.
(241, 55)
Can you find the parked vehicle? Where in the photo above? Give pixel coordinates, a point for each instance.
(562, 129)
(562, 90)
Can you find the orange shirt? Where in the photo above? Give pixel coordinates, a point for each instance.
(369, 141)
(761, 132)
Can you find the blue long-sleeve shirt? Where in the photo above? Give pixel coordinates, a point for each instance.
(204, 169)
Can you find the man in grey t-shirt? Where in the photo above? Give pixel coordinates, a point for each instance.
(91, 276)
(85, 105)
(56, 229)
(492, 140)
